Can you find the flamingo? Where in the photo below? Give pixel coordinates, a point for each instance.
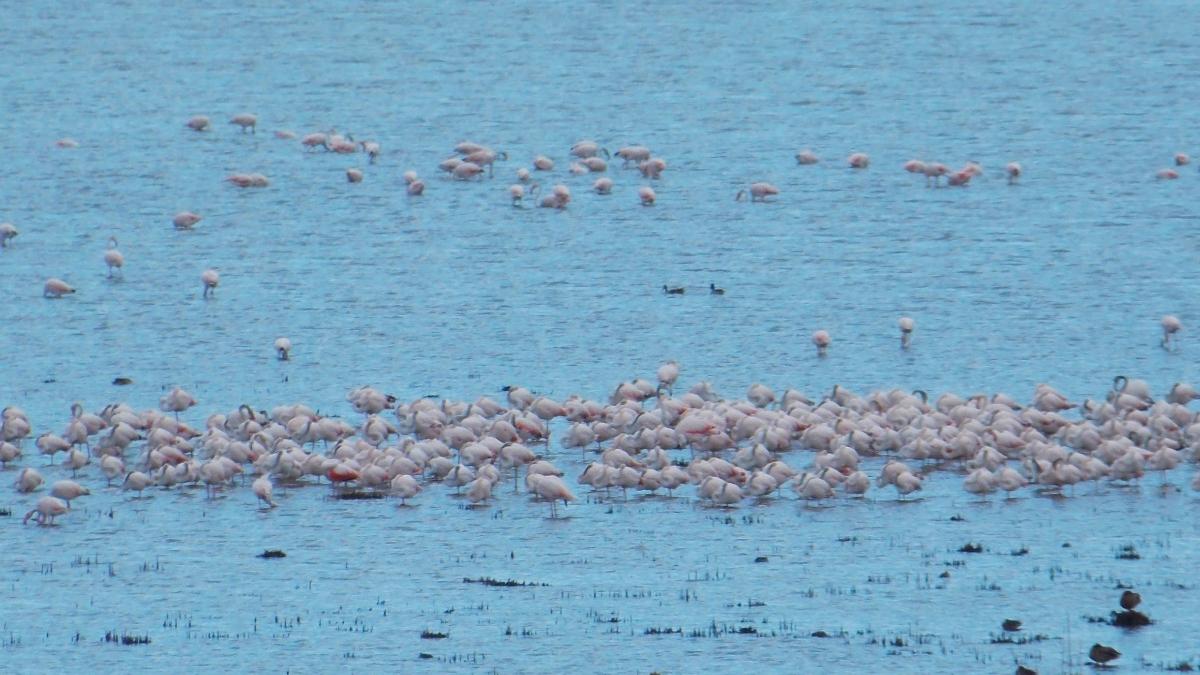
(552, 489)
(543, 163)
(1170, 326)
(354, 175)
(198, 123)
(518, 192)
(1182, 159)
(859, 160)
(56, 288)
(466, 170)
(758, 192)
(28, 480)
(47, 509)
(587, 150)
(806, 157)
(906, 328)
(314, 141)
(7, 232)
(210, 278)
(633, 153)
(136, 480)
(646, 195)
(415, 188)
(262, 490)
(283, 348)
(185, 220)
(245, 121)
(1013, 171)
(113, 257)
(1167, 174)
(67, 490)
(822, 340)
(653, 167)
(372, 150)
(67, 143)
(602, 186)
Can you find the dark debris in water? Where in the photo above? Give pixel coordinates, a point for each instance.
(663, 631)
(1006, 639)
(820, 634)
(971, 548)
(1128, 552)
(1130, 618)
(5, 512)
(126, 638)
(1011, 625)
(956, 518)
(759, 559)
(358, 494)
(506, 583)
(122, 381)
(272, 553)
(433, 635)
(1019, 552)
(1181, 667)
(425, 655)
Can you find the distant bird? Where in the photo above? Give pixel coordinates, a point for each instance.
(1130, 600)
(603, 186)
(28, 480)
(198, 123)
(415, 188)
(806, 157)
(1170, 326)
(56, 288)
(1102, 654)
(713, 290)
(1167, 174)
(47, 509)
(518, 192)
(245, 121)
(822, 340)
(7, 232)
(371, 148)
(285, 134)
(248, 180)
(543, 163)
(67, 490)
(1181, 159)
(185, 220)
(758, 192)
(646, 195)
(1011, 625)
(113, 257)
(633, 153)
(466, 170)
(859, 160)
(653, 167)
(262, 490)
(906, 328)
(67, 143)
(587, 149)
(210, 278)
(1013, 171)
(283, 347)
(673, 290)
(354, 176)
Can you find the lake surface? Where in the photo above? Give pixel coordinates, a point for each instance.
(1061, 279)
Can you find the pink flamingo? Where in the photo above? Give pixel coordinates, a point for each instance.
(1013, 171)
(646, 195)
(198, 123)
(245, 121)
(859, 160)
(822, 340)
(210, 278)
(758, 192)
(185, 220)
(806, 157)
(354, 175)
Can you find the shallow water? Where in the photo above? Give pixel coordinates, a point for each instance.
(1061, 279)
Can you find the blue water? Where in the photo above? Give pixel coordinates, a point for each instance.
(1059, 279)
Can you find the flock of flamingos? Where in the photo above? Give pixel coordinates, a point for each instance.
(643, 438)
